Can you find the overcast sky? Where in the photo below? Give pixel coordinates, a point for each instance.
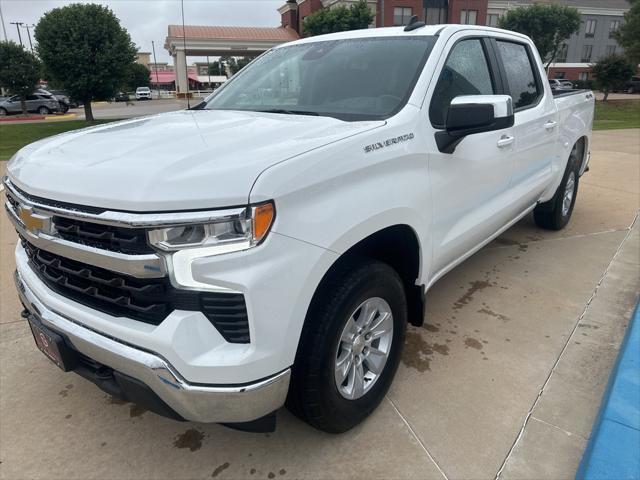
(147, 20)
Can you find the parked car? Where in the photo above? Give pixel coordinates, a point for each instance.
(143, 93)
(63, 100)
(633, 85)
(559, 84)
(213, 264)
(63, 96)
(41, 103)
(121, 97)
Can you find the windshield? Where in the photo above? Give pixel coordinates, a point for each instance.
(356, 79)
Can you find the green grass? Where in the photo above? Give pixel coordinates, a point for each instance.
(14, 137)
(617, 114)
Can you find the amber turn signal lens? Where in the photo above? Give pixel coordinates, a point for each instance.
(263, 216)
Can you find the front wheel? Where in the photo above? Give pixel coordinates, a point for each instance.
(350, 346)
(3, 112)
(556, 213)
(44, 111)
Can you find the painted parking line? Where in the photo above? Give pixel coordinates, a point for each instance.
(614, 447)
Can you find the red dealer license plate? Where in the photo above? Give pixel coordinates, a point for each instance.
(52, 345)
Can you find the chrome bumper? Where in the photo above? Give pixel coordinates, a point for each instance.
(198, 403)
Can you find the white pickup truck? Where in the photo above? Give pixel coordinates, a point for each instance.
(270, 245)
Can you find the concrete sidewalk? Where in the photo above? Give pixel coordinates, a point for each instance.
(504, 380)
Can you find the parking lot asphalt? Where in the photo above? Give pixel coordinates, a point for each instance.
(505, 378)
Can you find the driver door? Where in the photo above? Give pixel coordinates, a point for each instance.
(469, 185)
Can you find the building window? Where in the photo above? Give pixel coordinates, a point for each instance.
(613, 28)
(561, 56)
(589, 28)
(492, 19)
(583, 76)
(468, 17)
(610, 50)
(402, 15)
(586, 53)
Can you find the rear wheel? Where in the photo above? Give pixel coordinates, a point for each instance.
(556, 213)
(350, 346)
(44, 111)
(3, 112)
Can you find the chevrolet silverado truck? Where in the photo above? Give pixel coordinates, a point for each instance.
(269, 246)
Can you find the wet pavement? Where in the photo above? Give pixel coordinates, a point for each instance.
(505, 378)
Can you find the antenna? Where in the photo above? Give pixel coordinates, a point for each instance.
(184, 46)
(414, 24)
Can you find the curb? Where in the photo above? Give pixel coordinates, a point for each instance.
(23, 119)
(612, 451)
(66, 116)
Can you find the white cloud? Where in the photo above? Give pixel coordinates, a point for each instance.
(147, 20)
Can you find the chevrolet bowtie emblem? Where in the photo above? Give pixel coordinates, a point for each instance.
(32, 222)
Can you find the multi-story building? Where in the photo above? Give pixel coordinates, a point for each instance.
(600, 20)
(594, 40)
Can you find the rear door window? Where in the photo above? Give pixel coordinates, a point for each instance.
(466, 72)
(522, 80)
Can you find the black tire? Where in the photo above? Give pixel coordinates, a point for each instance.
(64, 108)
(313, 394)
(3, 112)
(43, 111)
(551, 215)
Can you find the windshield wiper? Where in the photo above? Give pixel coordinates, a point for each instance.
(290, 112)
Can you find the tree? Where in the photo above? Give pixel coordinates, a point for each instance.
(338, 19)
(85, 50)
(137, 76)
(628, 35)
(610, 72)
(217, 69)
(233, 64)
(547, 25)
(19, 71)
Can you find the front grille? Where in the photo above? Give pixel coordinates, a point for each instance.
(132, 241)
(149, 300)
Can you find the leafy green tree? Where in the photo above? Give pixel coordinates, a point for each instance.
(628, 35)
(137, 76)
(234, 64)
(19, 71)
(84, 49)
(217, 69)
(339, 19)
(548, 25)
(611, 72)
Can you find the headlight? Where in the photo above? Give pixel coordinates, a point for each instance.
(230, 232)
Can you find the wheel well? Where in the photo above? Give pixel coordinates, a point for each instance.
(398, 247)
(581, 146)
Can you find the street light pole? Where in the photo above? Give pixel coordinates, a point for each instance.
(29, 35)
(4, 29)
(209, 71)
(155, 64)
(17, 24)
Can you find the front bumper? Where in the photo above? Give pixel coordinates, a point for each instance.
(194, 402)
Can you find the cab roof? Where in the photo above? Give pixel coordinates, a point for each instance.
(444, 30)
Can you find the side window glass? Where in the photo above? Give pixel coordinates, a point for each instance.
(466, 72)
(32, 97)
(521, 79)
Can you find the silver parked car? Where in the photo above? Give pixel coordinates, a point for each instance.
(36, 102)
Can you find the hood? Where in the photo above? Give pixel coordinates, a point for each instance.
(174, 161)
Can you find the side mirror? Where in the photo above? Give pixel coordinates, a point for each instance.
(472, 114)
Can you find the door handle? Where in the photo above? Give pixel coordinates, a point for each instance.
(504, 141)
(550, 125)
